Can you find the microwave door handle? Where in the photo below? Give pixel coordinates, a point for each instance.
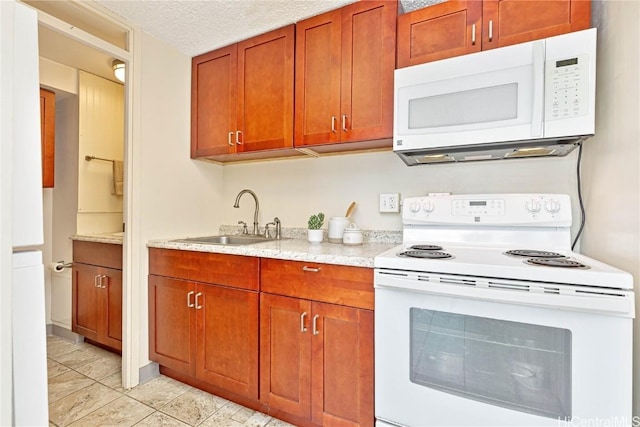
(538, 89)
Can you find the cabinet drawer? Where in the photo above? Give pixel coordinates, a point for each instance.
(95, 253)
(336, 284)
(230, 270)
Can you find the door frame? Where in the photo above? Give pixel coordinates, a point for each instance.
(131, 253)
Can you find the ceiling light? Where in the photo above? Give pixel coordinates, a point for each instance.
(118, 69)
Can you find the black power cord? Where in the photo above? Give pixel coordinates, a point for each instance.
(583, 215)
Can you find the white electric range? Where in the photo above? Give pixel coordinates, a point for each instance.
(484, 316)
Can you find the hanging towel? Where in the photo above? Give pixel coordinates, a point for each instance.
(118, 178)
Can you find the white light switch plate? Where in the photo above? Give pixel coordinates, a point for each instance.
(390, 202)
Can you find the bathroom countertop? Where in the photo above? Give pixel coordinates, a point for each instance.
(111, 238)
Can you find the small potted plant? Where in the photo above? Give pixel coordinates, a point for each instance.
(315, 232)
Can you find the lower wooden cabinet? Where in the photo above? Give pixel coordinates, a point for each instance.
(288, 338)
(316, 342)
(208, 331)
(97, 292)
(317, 360)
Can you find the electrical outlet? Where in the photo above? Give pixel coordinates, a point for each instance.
(390, 202)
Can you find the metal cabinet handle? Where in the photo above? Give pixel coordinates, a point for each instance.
(311, 269)
(238, 133)
(333, 124)
(473, 34)
(198, 306)
(189, 303)
(230, 135)
(315, 324)
(103, 277)
(302, 327)
(344, 123)
(95, 281)
(491, 30)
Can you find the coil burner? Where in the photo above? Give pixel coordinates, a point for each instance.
(556, 262)
(532, 253)
(426, 247)
(426, 254)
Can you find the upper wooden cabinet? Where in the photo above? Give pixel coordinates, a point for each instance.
(242, 97)
(48, 136)
(458, 27)
(344, 76)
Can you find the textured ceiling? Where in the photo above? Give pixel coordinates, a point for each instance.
(197, 26)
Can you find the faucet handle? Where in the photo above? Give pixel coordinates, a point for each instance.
(244, 227)
(266, 229)
(276, 220)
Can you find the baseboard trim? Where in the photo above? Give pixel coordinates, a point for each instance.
(148, 372)
(65, 333)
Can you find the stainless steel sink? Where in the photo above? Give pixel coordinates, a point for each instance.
(226, 239)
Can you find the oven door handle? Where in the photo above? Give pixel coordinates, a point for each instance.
(621, 304)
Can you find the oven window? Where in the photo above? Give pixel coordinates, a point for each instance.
(514, 365)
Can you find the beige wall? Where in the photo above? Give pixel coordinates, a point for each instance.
(60, 203)
(173, 195)
(101, 119)
(612, 158)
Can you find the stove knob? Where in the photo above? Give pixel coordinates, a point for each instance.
(415, 207)
(533, 206)
(552, 206)
(428, 206)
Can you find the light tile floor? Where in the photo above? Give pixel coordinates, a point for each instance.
(85, 390)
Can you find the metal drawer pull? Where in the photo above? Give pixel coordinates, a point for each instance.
(230, 135)
(344, 123)
(238, 133)
(315, 324)
(333, 124)
(473, 34)
(189, 304)
(102, 277)
(491, 30)
(311, 269)
(198, 306)
(302, 327)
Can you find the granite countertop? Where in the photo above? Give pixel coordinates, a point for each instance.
(296, 248)
(114, 238)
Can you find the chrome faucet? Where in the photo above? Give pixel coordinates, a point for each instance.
(255, 214)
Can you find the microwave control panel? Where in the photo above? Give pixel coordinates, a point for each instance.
(567, 87)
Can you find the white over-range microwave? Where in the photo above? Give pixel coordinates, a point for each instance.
(531, 99)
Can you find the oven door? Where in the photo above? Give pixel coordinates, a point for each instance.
(448, 354)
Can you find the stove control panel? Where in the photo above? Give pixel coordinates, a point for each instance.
(544, 210)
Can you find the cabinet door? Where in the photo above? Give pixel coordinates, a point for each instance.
(444, 30)
(48, 136)
(285, 350)
(112, 304)
(86, 310)
(342, 365)
(213, 102)
(171, 304)
(318, 57)
(265, 91)
(508, 22)
(227, 338)
(368, 63)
